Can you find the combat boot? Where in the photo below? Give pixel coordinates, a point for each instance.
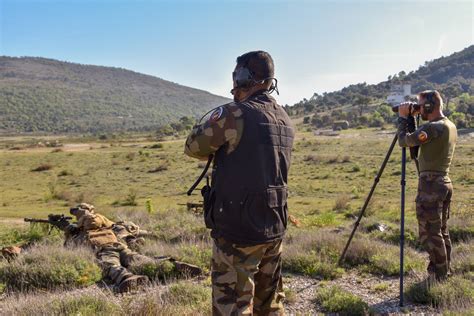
(187, 269)
(132, 283)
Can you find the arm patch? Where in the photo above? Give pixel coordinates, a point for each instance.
(217, 114)
(422, 136)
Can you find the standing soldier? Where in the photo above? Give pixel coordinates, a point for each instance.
(251, 140)
(437, 140)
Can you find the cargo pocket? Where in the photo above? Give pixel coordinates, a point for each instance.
(428, 207)
(276, 202)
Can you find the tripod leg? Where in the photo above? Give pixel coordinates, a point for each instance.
(367, 200)
(402, 222)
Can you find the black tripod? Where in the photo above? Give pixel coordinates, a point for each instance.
(366, 203)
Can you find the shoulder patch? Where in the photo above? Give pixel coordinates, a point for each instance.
(422, 136)
(217, 114)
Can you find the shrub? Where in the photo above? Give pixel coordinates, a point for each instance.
(188, 294)
(346, 159)
(91, 302)
(64, 173)
(456, 293)
(50, 267)
(463, 258)
(130, 199)
(42, 167)
(355, 168)
(312, 159)
(325, 246)
(312, 265)
(460, 229)
(156, 146)
(34, 233)
(342, 202)
(164, 270)
(160, 168)
(336, 300)
(322, 220)
(198, 254)
(334, 159)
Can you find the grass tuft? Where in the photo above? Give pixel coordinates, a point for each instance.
(457, 293)
(336, 300)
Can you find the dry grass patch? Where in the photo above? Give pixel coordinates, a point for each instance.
(50, 267)
(336, 300)
(455, 294)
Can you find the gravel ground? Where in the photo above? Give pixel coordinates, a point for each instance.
(381, 293)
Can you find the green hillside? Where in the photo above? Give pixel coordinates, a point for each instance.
(45, 95)
(363, 104)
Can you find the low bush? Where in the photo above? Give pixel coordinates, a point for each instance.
(50, 267)
(91, 302)
(188, 294)
(158, 271)
(342, 202)
(336, 300)
(461, 229)
(312, 265)
(312, 253)
(463, 258)
(457, 293)
(156, 146)
(42, 167)
(34, 233)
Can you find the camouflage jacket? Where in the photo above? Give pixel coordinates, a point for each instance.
(224, 127)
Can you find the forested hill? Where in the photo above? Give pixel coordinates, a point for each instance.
(38, 94)
(453, 76)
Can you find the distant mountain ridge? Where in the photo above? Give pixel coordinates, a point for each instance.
(452, 75)
(46, 95)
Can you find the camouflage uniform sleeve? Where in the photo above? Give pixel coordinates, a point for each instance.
(424, 134)
(224, 127)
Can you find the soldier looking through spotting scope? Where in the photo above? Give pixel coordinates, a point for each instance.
(246, 204)
(436, 140)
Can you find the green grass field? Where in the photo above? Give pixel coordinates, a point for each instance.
(329, 180)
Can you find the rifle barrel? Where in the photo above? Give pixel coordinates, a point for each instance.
(35, 220)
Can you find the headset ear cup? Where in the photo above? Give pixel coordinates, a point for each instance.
(243, 77)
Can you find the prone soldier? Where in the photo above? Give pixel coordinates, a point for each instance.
(112, 252)
(437, 140)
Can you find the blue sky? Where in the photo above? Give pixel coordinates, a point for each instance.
(317, 45)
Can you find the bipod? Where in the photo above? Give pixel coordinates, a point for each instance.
(367, 200)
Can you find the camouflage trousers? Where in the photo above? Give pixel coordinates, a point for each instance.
(246, 279)
(432, 211)
(115, 259)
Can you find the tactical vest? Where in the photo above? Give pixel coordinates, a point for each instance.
(249, 185)
(437, 154)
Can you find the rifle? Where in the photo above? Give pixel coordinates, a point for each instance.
(59, 221)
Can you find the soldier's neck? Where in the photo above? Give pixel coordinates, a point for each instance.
(435, 116)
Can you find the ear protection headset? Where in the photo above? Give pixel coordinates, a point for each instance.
(430, 103)
(244, 79)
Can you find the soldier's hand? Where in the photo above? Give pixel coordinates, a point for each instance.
(404, 109)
